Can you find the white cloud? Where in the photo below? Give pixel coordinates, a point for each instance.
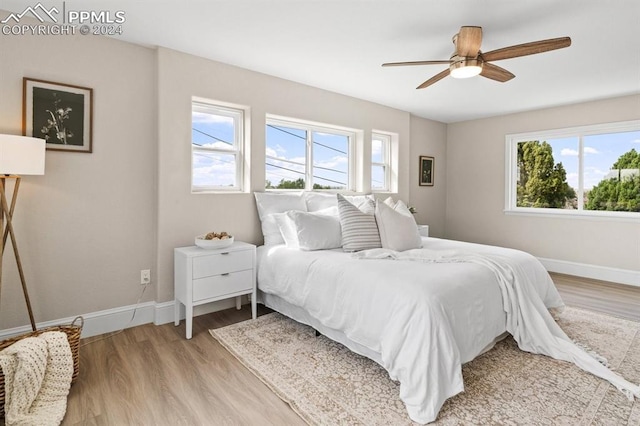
(569, 152)
(211, 171)
(277, 151)
(595, 171)
(218, 145)
(333, 163)
(590, 150)
(271, 152)
(201, 117)
(376, 147)
(572, 179)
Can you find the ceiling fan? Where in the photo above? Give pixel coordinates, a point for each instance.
(468, 61)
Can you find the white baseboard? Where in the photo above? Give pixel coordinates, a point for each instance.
(115, 319)
(604, 273)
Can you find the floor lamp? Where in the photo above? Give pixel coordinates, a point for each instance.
(19, 155)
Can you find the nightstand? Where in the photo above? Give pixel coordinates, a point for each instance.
(203, 276)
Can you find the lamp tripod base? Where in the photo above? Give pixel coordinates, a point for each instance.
(6, 229)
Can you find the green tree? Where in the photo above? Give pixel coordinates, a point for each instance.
(291, 184)
(620, 193)
(542, 183)
(628, 160)
(294, 184)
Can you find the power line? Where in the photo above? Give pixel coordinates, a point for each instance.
(329, 147)
(211, 136)
(284, 168)
(302, 173)
(291, 170)
(301, 137)
(284, 131)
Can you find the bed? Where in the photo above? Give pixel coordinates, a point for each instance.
(420, 316)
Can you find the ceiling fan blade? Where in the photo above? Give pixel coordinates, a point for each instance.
(401, 64)
(527, 49)
(434, 79)
(468, 41)
(496, 73)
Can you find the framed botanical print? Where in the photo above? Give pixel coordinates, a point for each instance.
(426, 170)
(59, 113)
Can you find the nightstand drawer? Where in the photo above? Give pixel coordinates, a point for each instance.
(219, 285)
(220, 263)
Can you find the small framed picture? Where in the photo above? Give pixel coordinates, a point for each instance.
(59, 113)
(426, 170)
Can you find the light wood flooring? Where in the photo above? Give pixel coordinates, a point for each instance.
(152, 375)
(619, 300)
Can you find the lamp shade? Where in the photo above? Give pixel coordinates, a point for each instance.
(21, 155)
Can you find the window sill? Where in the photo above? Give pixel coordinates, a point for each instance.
(576, 214)
(218, 192)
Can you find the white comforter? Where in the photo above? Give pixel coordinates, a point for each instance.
(424, 319)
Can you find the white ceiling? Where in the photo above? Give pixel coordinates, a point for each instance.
(338, 45)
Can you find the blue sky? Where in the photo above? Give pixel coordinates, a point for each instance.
(287, 148)
(601, 151)
(214, 131)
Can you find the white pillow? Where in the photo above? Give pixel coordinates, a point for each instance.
(359, 230)
(320, 201)
(389, 201)
(312, 231)
(360, 200)
(398, 229)
(270, 203)
(287, 230)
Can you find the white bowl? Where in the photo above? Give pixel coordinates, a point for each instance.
(213, 244)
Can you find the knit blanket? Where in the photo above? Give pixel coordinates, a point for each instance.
(37, 378)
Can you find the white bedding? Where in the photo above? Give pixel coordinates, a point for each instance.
(424, 319)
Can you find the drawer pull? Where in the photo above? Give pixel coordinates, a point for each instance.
(224, 275)
(224, 253)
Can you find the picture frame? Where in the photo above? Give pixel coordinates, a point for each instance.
(426, 170)
(60, 113)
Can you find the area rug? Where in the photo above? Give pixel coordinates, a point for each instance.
(327, 384)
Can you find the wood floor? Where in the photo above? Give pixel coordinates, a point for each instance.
(152, 375)
(619, 300)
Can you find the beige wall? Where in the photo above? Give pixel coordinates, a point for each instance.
(86, 228)
(476, 188)
(182, 215)
(429, 138)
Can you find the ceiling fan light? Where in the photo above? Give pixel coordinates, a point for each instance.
(465, 68)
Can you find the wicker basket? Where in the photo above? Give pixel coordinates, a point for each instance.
(73, 332)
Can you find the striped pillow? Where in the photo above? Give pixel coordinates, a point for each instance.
(359, 228)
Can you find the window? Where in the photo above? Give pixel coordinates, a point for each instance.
(301, 155)
(380, 162)
(592, 170)
(216, 147)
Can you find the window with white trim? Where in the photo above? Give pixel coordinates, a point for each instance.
(304, 155)
(380, 162)
(588, 170)
(217, 134)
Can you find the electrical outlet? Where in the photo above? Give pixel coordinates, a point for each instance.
(145, 276)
